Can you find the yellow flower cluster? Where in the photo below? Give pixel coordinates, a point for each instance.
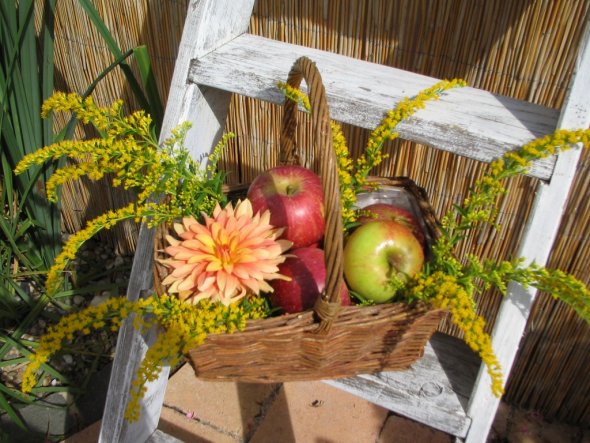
(295, 95)
(445, 292)
(516, 162)
(404, 109)
(128, 149)
(345, 176)
(84, 322)
(353, 175)
(450, 283)
(84, 108)
(184, 327)
(75, 242)
(480, 205)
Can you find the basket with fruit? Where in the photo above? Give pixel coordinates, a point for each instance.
(321, 331)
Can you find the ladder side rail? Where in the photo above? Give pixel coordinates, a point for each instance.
(131, 347)
(538, 239)
(209, 24)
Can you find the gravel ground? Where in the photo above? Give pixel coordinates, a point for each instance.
(106, 275)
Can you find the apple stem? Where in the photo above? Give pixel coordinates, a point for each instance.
(291, 189)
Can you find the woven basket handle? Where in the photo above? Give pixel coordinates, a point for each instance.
(328, 304)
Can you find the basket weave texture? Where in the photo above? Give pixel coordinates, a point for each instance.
(330, 340)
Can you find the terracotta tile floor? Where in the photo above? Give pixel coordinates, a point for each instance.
(197, 411)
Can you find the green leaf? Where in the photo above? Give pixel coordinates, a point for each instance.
(111, 43)
(149, 84)
(12, 412)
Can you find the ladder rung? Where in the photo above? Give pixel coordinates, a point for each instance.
(435, 390)
(467, 121)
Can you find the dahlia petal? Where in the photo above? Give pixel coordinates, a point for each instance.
(172, 241)
(178, 228)
(215, 229)
(232, 284)
(231, 300)
(230, 226)
(285, 244)
(170, 279)
(265, 287)
(228, 267)
(183, 271)
(199, 257)
(208, 220)
(262, 231)
(198, 228)
(187, 284)
(198, 297)
(188, 235)
(214, 266)
(206, 240)
(217, 209)
(170, 262)
(189, 221)
(277, 276)
(184, 255)
(244, 208)
(183, 295)
(221, 281)
(173, 289)
(247, 257)
(241, 272)
(173, 250)
(206, 282)
(265, 218)
(194, 244)
(253, 284)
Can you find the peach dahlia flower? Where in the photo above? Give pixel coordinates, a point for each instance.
(234, 253)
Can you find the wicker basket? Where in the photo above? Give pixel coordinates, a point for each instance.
(329, 341)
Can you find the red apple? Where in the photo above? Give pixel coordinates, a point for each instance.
(295, 199)
(386, 211)
(307, 270)
(378, 257)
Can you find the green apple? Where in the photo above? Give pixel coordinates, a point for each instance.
(379, 257)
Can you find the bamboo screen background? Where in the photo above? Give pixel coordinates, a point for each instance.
(520, 48)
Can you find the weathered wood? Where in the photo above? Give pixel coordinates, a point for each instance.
(161, 437)
(131, 347)
(435, 390)
(209, 25)
(536, 245)
(467, 121)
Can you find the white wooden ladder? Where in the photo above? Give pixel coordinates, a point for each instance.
(447, 389)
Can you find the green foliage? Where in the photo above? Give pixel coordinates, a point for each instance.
(30, 227)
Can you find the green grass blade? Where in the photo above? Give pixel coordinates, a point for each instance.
(115, 50)
(16, 394)
(6, 230)
(149, 85)
(12, 412)
(10, 341)
(48, 64)
(14, 361)
(22, 127)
